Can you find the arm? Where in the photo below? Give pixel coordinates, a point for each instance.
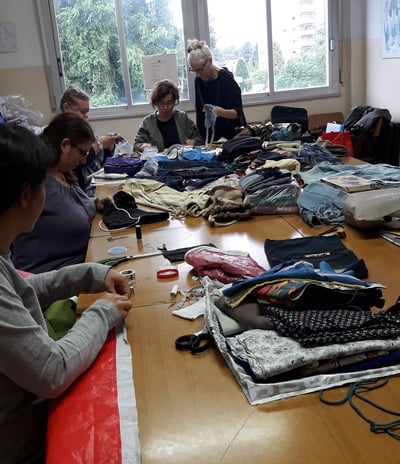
(68, 281)
(34, 361)
(148, 134)
(224, 113)
(188, 132)
(233, 105)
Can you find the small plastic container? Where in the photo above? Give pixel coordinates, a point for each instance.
(149, 153)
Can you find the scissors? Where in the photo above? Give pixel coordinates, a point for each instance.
(195, 343)
(118, 260)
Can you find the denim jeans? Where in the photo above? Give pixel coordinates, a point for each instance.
(320, 204)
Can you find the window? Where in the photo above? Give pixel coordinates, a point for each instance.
(99, 44)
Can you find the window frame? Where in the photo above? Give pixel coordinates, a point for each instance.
(195, 24)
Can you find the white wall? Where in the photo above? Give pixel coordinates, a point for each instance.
(22, 13)
(382, 83)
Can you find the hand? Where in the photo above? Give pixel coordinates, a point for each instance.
(190, 142)
(99, 202)
(143, 146)
(117, 284)
(120, 301)
(108, 141)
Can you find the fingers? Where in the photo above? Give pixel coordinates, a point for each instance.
(117, 284)
(121, 302)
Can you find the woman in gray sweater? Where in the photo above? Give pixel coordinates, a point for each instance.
(167, 126)
(34, 367)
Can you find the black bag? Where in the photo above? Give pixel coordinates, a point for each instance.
(315, 249)
(288, 114)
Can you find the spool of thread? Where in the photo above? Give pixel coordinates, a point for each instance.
(138, 229)
(130, 274)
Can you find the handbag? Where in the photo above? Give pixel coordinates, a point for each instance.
(122, 165)
(340, 138)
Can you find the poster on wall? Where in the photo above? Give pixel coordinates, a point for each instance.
(156, 67)
(390, 29)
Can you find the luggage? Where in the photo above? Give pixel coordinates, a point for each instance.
(374, 208)
(288, 114)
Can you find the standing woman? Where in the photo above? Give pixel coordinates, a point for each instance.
(166, 126)
(33, 366)
(217, 87)
(61, 234)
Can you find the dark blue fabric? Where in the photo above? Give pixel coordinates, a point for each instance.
(297, 270)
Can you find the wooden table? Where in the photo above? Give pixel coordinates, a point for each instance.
(191, 409)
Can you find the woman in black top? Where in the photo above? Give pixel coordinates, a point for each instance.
(217, 87)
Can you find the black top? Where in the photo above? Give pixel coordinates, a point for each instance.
(222, 91)
(169, 132)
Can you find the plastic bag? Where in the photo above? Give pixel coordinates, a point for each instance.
(17, 107)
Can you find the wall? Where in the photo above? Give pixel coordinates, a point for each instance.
(383, 90)
(23, 72)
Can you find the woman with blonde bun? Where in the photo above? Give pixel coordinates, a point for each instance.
(216, 88)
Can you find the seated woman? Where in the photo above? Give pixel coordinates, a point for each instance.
(34, 367)
(75, 100)
(61, 234)
(167, 126)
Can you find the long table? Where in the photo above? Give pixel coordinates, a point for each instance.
(190, 408)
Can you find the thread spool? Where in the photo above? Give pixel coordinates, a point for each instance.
(130, 274)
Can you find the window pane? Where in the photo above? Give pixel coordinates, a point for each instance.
(90, 49)
(153, 27)
(300, 38)
(238, 40)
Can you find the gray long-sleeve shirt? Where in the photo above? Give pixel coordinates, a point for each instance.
(149, 132)
(34, 367)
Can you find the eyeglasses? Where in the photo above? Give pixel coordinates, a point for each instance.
(198, 69)
(168, 104)
(83, 153)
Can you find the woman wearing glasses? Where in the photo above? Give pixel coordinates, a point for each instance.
(75, 100)
(166, 126)
(61, 234)
(216, 87)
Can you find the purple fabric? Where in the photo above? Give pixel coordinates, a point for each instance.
(61, 234)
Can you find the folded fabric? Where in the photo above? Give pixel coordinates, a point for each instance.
(340, 325)
(275, 199)
(293, 271)
(223, 265)
(314, 250)
(263, 178)
(122, 212)
(321, 204)
(239, 146)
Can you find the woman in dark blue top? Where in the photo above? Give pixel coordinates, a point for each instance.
(61, 234)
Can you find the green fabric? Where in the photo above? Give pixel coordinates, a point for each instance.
(60, 317)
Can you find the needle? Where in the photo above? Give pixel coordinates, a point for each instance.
(111, 239)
